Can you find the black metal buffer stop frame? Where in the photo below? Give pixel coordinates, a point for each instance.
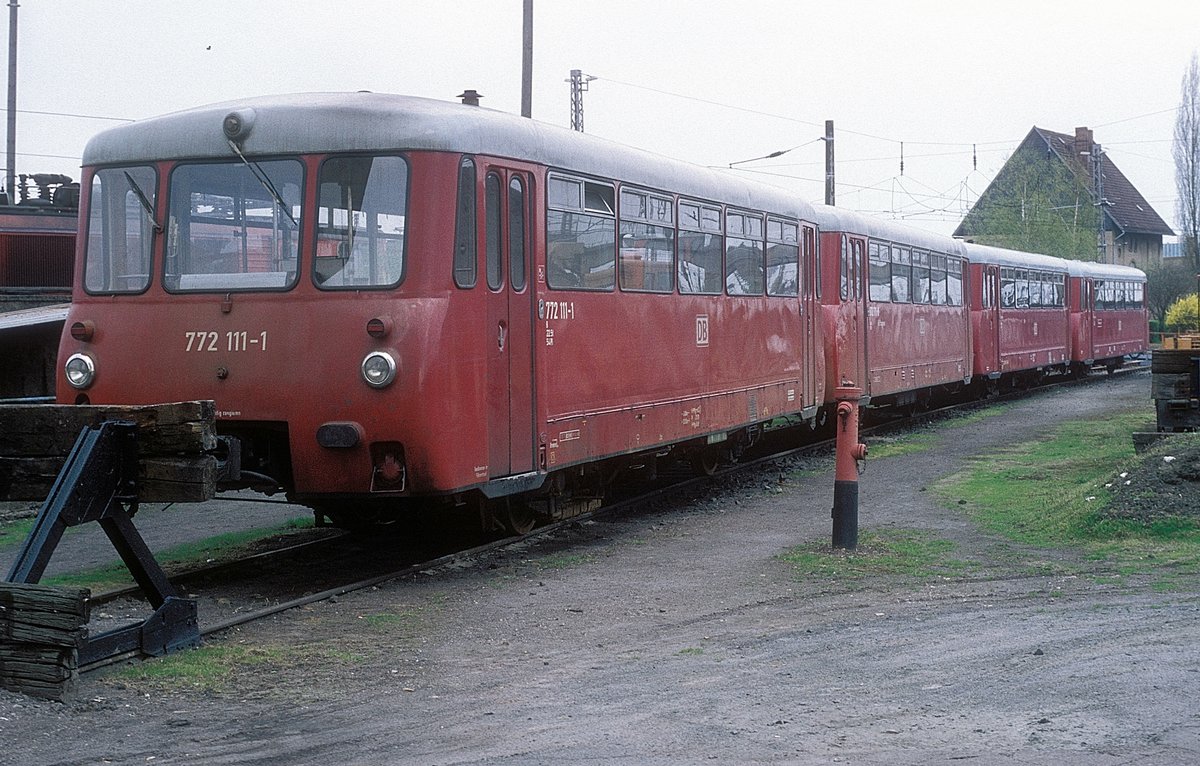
(98, 483)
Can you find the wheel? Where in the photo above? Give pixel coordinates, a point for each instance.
(359, 518)
(707, 461)
(517, 517)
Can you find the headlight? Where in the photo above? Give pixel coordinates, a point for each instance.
(80, 370)
(378, 369)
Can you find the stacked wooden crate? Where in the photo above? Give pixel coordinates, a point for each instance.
(42, 629)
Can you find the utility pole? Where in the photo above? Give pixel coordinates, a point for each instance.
(1098, 185)
(527, 61)
(579, 83)
(11, 178)
(829, 187)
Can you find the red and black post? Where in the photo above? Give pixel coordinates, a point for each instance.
(845, 479)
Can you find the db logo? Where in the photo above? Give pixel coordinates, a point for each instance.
(702, 330)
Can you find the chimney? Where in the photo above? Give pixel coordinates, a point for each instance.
(1083, 141)
(470, 97)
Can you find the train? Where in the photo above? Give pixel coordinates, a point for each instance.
(399, 303)
(38, 226)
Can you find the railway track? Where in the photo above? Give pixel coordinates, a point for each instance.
(673, 488)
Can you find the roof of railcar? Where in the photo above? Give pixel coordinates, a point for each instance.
(838, 219)
(1105, 271)
(1001, 257)
(361, 122)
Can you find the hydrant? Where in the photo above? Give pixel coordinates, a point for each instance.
(845, 479)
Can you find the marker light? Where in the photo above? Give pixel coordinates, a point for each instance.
(80, 370)
(83, 330)
(378, 369)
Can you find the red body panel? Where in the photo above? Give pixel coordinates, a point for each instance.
(622, 372)
(891, 348)
(1104, 333)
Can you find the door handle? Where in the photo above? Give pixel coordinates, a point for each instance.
(501, 331)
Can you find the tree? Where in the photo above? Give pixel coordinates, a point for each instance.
(1167, 281)
(1187, 164)
(1040, 206)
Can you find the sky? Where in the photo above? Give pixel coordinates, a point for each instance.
(952, 86)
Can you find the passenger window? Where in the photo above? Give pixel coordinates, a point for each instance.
(700, 248)
(844, 270)
(743, 254)
(1008, 288)
(880, 273)
(465, 267)
(954, 283)
(581, 235)
(901, 275)
(1022, 282)
(937, 280)
(921, 277)
(647, 252)
(783, 254)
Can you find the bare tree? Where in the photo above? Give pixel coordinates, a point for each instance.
(1187, 163)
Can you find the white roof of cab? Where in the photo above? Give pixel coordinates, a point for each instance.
(1105, 271)
(838, 219)
(1015, 258)
(377, 122)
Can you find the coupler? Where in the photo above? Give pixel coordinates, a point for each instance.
(845, 480)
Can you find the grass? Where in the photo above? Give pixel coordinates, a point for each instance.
(905, 444)
(218, 668)
(15, 532)
(914, 553)
(931, 435)
(188, 555)
(1050, 493)
(563, 560)
(208, 668)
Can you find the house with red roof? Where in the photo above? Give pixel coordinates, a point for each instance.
(1128, 230)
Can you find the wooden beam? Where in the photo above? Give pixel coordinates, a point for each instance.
(173, 440)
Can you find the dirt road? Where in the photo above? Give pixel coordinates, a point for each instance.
(681, 637)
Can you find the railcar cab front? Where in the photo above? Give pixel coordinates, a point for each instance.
(1109, 319)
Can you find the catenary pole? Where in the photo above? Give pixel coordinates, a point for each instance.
(10, 179)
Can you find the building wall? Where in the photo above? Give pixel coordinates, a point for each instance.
(1137, 250)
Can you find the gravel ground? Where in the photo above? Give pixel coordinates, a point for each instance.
(681, 637)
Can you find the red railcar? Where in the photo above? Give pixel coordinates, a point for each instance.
(1109, 319)
(391, 297)
(895, 308)
(1019, 319)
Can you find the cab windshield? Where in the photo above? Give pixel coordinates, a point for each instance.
(120, 230)
(233, 226)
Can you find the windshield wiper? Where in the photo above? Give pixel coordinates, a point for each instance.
(141, 195)
(264, 180)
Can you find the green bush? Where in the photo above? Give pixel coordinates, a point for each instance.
(1183, 313)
